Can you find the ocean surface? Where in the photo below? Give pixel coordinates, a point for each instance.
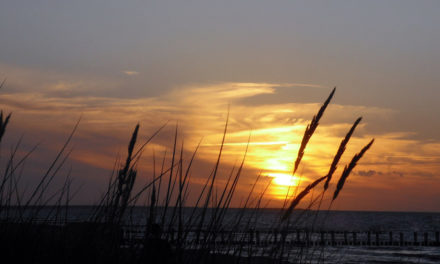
(380, 223)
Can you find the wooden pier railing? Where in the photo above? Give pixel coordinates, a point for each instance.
(302, 238)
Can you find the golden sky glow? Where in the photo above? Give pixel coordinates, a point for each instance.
(117, 63)
(274, 130)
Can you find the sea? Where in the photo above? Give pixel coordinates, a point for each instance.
(383, 226)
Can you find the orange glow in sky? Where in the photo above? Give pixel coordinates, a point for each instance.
(274, 132)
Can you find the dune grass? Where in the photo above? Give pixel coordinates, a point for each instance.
(174, 231)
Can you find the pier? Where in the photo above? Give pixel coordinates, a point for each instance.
(307, 238)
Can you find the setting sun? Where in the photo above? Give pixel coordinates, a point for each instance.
(284, 179)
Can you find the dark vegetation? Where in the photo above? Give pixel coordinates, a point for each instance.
(172, 232)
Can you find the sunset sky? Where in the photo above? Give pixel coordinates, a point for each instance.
(117, 63)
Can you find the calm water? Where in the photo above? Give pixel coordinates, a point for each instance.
(333, 220)
(396, 222)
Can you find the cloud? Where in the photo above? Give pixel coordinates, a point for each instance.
(275, 129)
(303, 85)
(50, 83)
(368, 173)
(131, 73)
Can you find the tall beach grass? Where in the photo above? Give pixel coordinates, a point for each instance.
(175, 229)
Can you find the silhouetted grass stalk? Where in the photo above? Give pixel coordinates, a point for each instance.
(205, 223)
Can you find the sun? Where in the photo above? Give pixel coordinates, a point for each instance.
(283, 179)
(283, 184)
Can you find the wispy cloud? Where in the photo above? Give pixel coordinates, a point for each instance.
(51, 83)
(310, 85)
(130, 73)
(275, 130)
